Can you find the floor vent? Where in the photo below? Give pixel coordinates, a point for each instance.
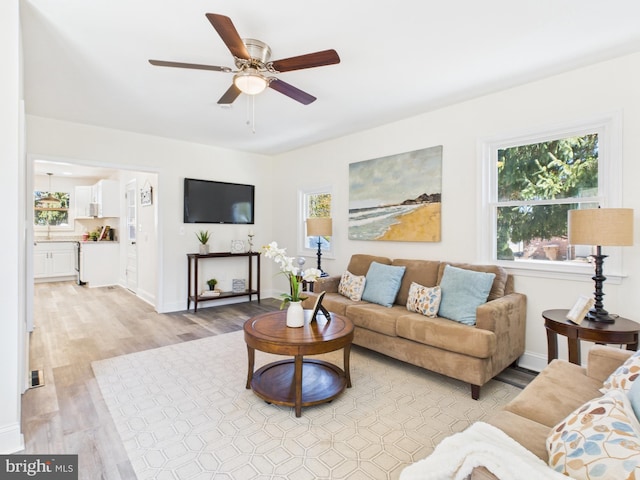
(37, 378)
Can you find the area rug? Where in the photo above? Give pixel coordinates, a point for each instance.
(183, 412)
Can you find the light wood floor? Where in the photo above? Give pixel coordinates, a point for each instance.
(76, 325)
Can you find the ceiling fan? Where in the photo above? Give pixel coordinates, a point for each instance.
(252, 61)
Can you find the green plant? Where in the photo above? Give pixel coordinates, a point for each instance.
(212, 283)
(203, 236)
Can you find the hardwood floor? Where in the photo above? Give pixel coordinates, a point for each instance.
(76, 325)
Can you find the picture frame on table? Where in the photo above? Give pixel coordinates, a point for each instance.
(580, 309)
(317, 308)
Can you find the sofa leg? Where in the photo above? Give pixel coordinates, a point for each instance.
(475, 391)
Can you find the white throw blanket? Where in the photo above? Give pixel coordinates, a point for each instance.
(480, 445)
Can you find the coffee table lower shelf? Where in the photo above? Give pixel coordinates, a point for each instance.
(321, 382)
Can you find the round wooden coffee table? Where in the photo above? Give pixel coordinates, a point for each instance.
(298, 382)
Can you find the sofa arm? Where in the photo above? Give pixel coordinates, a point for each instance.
(506, 317)
(603, 361)
(326, 284)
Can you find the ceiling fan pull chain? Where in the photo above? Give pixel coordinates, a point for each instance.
(251, 112)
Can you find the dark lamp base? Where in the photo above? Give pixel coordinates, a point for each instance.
(602, 317)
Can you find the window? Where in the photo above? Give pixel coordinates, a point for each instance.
(314, 203)
(50, 209)
(533, 180)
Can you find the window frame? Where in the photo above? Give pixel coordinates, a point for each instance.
(55, 228)
(609, 130)
(303, 250)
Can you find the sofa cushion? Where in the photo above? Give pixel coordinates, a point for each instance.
(351, 286)
(462, 292)
(377, 318)
(531, 435)
(333, 302)
(624, 375)
(499, 282)
(424, 300)
(446, 334)
(600, 439)
(383, 283)
(424, 272)
(559, 389)
(360, 263)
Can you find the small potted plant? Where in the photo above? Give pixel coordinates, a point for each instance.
(203, 237)
(212, 283)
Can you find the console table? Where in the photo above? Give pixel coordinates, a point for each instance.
(192, 289)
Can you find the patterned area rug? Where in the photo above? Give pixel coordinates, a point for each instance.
(183, 413)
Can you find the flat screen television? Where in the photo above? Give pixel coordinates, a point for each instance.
(207, 201)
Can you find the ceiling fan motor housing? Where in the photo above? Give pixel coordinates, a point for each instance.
(259, 52)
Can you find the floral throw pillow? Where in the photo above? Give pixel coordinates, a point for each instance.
(424, 300)
(351, 286)
(601, 439)
(624, 375)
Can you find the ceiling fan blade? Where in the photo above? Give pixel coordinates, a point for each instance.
(317, 59)
(162, 63)
(230, 95)
(229, 34)
(291, 91)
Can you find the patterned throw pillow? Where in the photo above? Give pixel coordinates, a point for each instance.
(351, 286)
(624, 375)
(601, 439)
(424, 300)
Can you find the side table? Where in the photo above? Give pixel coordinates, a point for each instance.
(623, 331)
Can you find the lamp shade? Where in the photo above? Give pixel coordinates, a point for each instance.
(319, 227)
(601, 226)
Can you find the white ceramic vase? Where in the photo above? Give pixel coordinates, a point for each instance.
(204, 249)
(295, 315)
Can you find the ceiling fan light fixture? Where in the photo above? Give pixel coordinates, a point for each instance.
(250, 81)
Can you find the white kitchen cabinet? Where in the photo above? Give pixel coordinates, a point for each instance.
(54, 259)
(82, 201)
(106, 193)
(99, 263)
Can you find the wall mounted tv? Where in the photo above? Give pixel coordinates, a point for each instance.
(207, 201)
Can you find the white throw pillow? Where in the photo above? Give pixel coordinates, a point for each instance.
(352, 286)
(601, 439)
(424, 300)
(624, 375)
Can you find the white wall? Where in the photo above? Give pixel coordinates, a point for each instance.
(574, 96)
(12, 281)
(172, 160)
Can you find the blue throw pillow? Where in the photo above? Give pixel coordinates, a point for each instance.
(462, 292)
(634, 398)
(383, 283)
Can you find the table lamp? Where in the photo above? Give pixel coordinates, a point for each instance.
(600, 227)
(319, 227)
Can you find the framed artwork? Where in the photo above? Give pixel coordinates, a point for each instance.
(397, 198)
(146, 195)
(237, 246)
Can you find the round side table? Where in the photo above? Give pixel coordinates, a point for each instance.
(298, 382)
(623, 332)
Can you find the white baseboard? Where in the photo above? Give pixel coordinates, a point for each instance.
(11, 440)
(148, 297)
(533, 361)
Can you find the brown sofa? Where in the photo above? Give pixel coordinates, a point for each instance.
(472, 354)
(556, 392)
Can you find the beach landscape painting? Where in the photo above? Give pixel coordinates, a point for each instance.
(397, 198)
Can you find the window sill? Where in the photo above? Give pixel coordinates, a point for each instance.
(581, 272)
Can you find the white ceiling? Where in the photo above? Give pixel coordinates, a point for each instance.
(87, 61)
